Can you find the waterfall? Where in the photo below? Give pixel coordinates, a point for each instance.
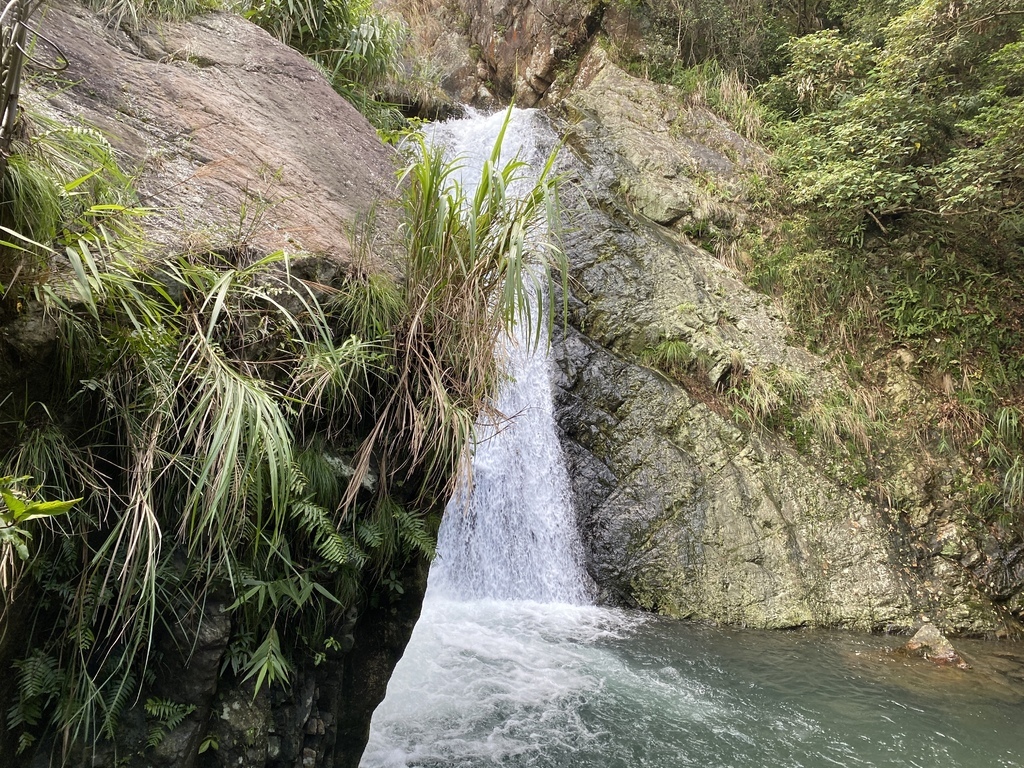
(509, 533)
(509, 573)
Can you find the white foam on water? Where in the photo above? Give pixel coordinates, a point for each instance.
(504, 649)
(484, 681)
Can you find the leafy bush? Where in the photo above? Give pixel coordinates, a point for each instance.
(899, 142)
(922, 131)
(823, 67)
(739, 35)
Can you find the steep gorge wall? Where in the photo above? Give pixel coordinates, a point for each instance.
(237, 139)
(687, 510)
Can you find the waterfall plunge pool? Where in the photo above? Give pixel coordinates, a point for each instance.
(542, 685)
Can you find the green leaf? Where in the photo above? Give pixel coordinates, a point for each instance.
(14, 504)
(267, 662)
(39, 509)
(73, 185)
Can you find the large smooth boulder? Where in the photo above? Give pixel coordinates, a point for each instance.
(238, 140)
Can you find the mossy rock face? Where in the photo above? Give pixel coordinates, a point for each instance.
(677, 164)
(684, 508)
(685, 514)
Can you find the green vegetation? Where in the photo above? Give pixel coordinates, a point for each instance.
(836, 420)
(242, 437)
(467, 282)
(165, 715)
(61, 185)
(899, 141)
(893, 219)
(132, 14)
(738, 35)
(19, 507)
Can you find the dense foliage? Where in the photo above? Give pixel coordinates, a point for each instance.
(236, 434)
(901, 144)
(893, 219)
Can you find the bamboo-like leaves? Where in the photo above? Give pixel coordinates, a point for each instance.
(475, 266)
(205, 371)
(214, 395)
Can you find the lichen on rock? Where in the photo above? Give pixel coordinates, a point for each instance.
(688, 507)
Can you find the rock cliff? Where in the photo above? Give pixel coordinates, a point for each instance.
(686, 509)
(236, 138)
(689, 506)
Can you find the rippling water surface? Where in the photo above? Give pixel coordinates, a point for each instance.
(528, 684)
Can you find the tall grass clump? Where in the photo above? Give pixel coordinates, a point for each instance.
(133, 14)
(61, 183)
(673, 356)
(724, 92)
(476, 266)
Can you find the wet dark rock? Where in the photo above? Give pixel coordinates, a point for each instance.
(191, 654)
(929, 643)
(28, 351)
(322, 720)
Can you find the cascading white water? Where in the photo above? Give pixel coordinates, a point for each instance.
(509, 534)
(509, 574)
(509, 666)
